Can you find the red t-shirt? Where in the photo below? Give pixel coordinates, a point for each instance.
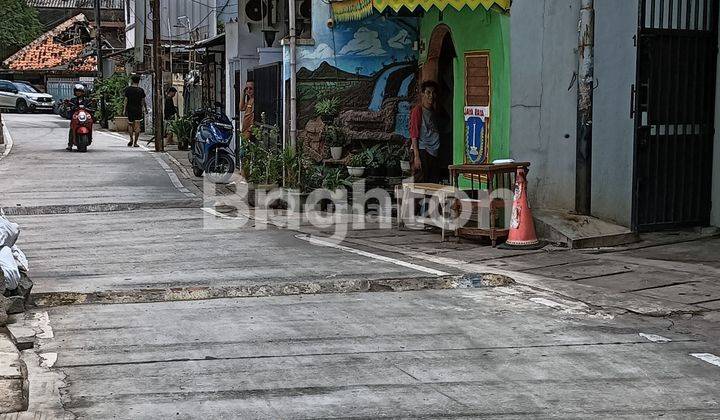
(415, 122)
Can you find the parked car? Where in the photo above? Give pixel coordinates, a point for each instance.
(22, 97)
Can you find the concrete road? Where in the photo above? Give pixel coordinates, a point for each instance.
(117, 226)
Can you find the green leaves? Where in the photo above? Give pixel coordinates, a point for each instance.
(113, 89)
(19, 26)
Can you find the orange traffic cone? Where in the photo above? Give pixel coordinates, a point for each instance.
(522, 228)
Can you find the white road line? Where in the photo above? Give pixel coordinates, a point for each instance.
(8, 141)
(550, 303)
(320, 242)
(707, 357)
(655, 338)
(168, 170)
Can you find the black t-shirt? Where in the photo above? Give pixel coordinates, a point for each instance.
(170, 109)
(135, 96)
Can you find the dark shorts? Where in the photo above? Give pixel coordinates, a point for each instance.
(430, 172)
(134, 115)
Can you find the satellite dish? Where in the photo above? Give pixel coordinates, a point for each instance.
(256, 10)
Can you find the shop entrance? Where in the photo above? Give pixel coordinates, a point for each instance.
(440, 67)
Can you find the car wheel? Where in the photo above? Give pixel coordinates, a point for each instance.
(21, 106)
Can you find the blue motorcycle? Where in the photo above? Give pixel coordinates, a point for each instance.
(211, 150)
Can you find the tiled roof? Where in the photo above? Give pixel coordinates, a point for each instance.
(48, 53)
(75, 4)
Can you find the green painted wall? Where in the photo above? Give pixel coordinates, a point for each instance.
(477, 30)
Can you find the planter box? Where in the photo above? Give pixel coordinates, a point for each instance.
(356, 171)
(336, 152)
(121, 123)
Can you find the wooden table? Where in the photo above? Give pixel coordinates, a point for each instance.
(494, 177)
(405, 194)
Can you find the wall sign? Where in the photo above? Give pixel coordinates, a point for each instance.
(477, 119)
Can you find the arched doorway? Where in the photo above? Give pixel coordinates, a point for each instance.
(440, 68)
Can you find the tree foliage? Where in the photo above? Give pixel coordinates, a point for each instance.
(19, 26)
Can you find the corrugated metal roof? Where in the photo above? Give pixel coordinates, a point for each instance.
(76, 4)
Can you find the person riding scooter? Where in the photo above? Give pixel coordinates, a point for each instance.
(79, 100)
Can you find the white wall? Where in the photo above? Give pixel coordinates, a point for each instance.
(543, 36)
(202, 15)
(613, 129)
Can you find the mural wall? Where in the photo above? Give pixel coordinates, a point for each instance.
(369, 65)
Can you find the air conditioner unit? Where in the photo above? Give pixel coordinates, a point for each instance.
(259, 13)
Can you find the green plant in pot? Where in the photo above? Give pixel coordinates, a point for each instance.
(356, 164)
(375, 160)
(182, 128)
(335, 139)
(327, 109)
(404, 156)
(112, 89)
(392, 156)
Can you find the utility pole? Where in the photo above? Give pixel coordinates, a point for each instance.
(98, 47)
(586, 82)
(157, 79)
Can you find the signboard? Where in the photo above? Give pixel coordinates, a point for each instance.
(477, 120)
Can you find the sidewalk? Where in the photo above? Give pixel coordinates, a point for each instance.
(665, 274)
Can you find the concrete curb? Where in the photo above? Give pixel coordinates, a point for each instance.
(267, 289)
(8, 141)
(100, 207)
(14, 384)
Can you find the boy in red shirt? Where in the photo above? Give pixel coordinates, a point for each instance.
(425, 136)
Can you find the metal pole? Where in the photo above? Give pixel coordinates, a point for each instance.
(98, 47)
(157, 69)
(293, 76)
(586, 77)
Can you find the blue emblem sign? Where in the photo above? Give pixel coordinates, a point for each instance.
(476, 119)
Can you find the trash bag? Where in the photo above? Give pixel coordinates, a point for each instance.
(9, 232)
(9, 268)
(20, 258)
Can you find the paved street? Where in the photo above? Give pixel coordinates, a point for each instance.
(143, 312)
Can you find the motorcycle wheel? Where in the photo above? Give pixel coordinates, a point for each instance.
(82, 143)
(220, 168)
(197, 172)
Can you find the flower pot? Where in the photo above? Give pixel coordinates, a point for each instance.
(121, 123)
(356, 171)
(112, 126)
(405, 165)
(336, 152)
(253, 190)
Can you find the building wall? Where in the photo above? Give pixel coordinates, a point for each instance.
(368, 65)
(477, 30)
(202, 16)
(715, 211)
(613, 132)
(543, 111)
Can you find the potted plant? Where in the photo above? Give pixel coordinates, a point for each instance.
(182, 128)
(327, 109)
(356, 164)
(375, 161)
(392, 160)
(335, 139)
(112, 89)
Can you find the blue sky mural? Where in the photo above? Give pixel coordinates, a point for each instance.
(363, 47)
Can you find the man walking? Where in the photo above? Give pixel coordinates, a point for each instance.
(135, 108)
(425, 136)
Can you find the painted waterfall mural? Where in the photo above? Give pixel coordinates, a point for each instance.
(370, 66)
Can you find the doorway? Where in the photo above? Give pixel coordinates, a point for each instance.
(440, 67)
(674, 113)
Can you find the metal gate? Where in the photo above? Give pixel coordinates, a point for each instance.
(674, 113)
(267, 93)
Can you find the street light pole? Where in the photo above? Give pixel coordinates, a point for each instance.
(157, 80)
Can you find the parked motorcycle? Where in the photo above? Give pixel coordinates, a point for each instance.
(211, 151)
(81, 126)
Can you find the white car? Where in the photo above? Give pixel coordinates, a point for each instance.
(22, 97)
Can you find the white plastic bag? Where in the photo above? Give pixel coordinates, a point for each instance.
(20, 258)
(9, 232)
(9, 268)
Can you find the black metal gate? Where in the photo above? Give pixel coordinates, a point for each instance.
(267, 93)
(674, 113)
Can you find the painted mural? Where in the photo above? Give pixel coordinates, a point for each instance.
(370, 66)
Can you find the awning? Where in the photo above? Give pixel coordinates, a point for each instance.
(347, 10)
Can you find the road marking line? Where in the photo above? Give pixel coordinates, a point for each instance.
(550, 303)
(707, 357)
(655, 338)
(168, 170)
(8, 141)
(320, 242)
